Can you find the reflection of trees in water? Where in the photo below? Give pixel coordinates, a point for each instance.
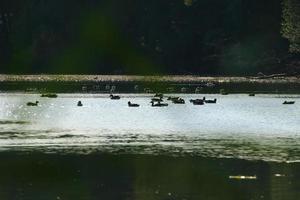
(99, 176)
(197, 178)
(281, 186)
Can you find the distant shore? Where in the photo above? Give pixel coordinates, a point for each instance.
(126, 83)
(136, 78)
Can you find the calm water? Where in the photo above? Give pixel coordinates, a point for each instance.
(238, 126)
(106, 150)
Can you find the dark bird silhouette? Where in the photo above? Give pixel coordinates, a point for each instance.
(79, 103)
(172, 98)
(114, 97)
(133, 104)
(33, 104)
(49, 95)
(209, 101)
(178, 101)
(288, 102)
(197, 101)
(156, 99)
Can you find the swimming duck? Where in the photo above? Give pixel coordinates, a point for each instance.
(49, 95)
(155, 99)
(114, 97)
(33, 104)
(209, 101)
(288, 102)
(159, 104)
(193, 100)
(197, 101)
(133, 104)
(79, 104)
(178, 101)
(251, 95)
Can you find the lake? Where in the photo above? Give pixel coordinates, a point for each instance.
(107, 150)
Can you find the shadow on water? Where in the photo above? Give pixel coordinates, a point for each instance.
(107, 176)
(7, 122)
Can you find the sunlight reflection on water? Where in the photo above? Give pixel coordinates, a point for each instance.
(238, 126)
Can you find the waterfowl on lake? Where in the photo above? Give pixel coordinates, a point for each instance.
(114, 97)
(158, 104)
(172, 98)
(133, 104)
(251, 95)
(79, 103)
(155, 99)
(209, 101)
(49, 95)
(33, 104)
(193, 100)
(288, 102)
(178, 101)
(197, 101)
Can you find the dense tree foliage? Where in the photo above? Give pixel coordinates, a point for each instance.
(142, 36)
(291, 24)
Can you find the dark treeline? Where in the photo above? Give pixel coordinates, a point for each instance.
(207, 37)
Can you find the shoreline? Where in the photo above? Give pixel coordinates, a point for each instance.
(139, 78)
(147, 84)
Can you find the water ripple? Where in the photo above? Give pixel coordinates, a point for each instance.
(267, 149)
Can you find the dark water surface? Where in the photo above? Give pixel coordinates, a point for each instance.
(106, 176)
(240, 148)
